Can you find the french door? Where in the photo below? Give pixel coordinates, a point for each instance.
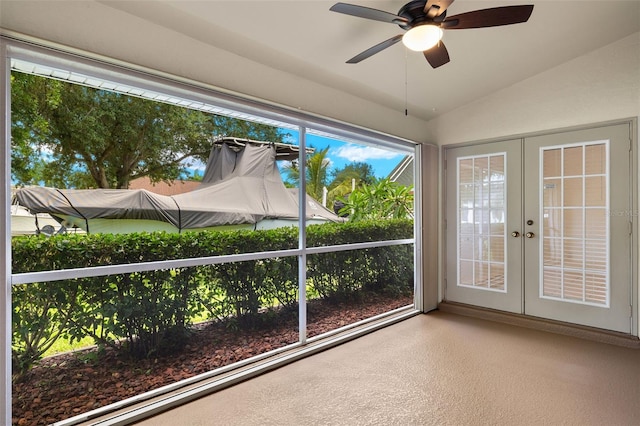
(542, 226)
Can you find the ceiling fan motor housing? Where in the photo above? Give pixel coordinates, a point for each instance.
(415, 15)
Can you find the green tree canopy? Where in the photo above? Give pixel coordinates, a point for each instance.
(344, 179)
(67, 135)
(32, 99)
(360, 171)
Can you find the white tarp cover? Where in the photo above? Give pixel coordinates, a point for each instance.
(238, 187)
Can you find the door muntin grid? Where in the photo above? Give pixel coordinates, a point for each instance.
(575, 233)
(481, 215)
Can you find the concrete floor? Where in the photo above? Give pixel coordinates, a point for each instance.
(437, 369)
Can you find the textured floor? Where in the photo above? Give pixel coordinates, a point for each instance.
(437, 369)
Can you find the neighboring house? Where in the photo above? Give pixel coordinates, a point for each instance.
(403, 172)
(173, 187)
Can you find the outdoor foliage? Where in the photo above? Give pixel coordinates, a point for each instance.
(382, 200)
(338, 182)
(149, 313)
(316, 170)
(70, 136)
(346, 179)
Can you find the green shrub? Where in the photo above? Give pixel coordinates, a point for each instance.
(40, 313)
(344, 274)
(150, 312)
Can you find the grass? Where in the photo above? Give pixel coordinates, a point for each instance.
(65, 345)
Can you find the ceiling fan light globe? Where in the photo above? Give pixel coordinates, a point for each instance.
(422, 37)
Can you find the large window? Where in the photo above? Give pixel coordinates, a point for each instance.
(278, 231)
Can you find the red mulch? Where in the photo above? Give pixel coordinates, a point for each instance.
(66, 385)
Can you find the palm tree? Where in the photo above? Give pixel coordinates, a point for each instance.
(316, 172)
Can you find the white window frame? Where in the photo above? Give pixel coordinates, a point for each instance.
(458, 208)
(201, 96)
(607, 238)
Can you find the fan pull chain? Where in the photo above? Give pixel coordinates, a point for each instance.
(406, 107)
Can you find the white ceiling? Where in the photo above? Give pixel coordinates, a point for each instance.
(304, 38)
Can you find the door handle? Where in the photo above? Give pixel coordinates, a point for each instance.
(529, 235)
(515, 234)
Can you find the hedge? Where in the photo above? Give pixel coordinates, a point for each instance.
(149, 313)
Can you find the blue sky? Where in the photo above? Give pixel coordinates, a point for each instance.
(383, 161)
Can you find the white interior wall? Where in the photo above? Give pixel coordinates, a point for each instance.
(99, 29)
(600, 86)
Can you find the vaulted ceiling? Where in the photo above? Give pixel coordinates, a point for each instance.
(305, 38)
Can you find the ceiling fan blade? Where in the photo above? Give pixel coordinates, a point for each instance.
(368, 13)
(435, 8)
(375, 49)
(437, 55)
(493, 17)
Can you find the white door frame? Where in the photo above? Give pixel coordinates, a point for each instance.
(634, 135)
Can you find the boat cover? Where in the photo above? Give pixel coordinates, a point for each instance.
(240, 186)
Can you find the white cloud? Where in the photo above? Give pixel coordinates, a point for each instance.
(285, 164)
(193, 164)
(198, 165)
(363, 153)
(328, 162)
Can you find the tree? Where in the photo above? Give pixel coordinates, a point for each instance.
(32, 98)
(77, 136)
(316, 172)
(382, 200)
(358, 173)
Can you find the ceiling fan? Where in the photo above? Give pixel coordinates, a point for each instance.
(425, 20)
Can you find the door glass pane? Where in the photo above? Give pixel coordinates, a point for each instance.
(481, 227)
(573, 192)
(596, 288)
(597, 226)
(572, 161)
(465, 171)
(552, 251)
(595, 191)
(552, 283)
(575, 226)
(497, 249)
(552, 162)
(497, 279)
(595, 250)
(552, 192)
(552, 222)
(573, 253)
(594, 162)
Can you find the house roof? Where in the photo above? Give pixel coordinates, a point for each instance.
(164, 188)
(403, 172)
